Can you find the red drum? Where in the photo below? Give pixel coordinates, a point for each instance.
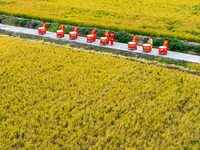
(146, 47)
(73, 35)
(41, 30)
(103, 40)
(162, 50)
(90, 38)
(60, 33)
(132, 45)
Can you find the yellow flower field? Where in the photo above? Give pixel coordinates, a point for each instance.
(176, 19)
(56, 97)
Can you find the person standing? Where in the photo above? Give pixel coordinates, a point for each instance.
(94, 32)
(166, 43)
(76, 30)
(150, 41)
(107, 34)
(62, 27)
(112, 36)
(45, 26)
(135, 39)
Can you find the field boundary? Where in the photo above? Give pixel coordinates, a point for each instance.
(123, 37)
(118, 48)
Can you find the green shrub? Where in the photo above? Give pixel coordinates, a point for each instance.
(8, 21)
(67, 30)
(23, 22)
(85, 31)
(34, 24)
(197, 49)
(158, 42)
(16, 22)
(123, 37)
(100, 33)
(53, 27)
(70, 28)
(178, 46)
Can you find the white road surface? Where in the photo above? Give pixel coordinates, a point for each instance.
(117, 45)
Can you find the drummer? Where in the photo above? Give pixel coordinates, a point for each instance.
(166, 43)
(45, 25)
(135, 39)
(150, 41)
(94, 32)
(62, 27)
(112, 36)
(107, 34)
(76, 29)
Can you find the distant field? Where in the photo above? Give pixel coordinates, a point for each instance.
(176, 19)
(64, 98)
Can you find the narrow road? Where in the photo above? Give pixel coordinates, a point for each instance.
(117, 45)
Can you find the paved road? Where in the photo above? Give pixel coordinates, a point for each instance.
(117, 45)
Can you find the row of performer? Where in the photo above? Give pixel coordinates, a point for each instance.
(108, 39)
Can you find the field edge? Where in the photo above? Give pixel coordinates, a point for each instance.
(183, 66)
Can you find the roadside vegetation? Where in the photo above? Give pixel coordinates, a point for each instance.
(120, 36)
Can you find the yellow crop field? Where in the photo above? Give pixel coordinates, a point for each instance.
(177, 19)
(64, 98)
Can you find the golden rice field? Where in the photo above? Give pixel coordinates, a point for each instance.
(176, 19)
(56, 97)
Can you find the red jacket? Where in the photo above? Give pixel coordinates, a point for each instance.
(94, 32)
(62, 27)
(135, 39)
(112, 36)
(76, 29)
(45, 25)
(107, 34)
(166, 43)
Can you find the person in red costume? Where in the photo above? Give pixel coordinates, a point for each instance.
(166, 43)
(94, 32)
(62, 27)
(135, 39)
(107, 34)
(45, 25)
(112, 37)
(76, 30)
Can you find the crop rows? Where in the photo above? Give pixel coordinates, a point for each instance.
(64, 98)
